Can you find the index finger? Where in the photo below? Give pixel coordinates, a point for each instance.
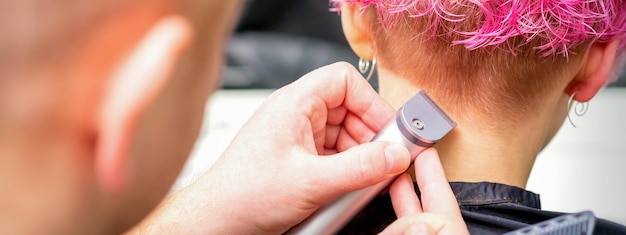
(436, 194)
(340, 84)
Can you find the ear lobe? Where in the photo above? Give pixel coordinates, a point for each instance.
(595, 71)
(357, 31)
(132, 88)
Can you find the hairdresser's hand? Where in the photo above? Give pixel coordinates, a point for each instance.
(298, 151)
(437, 213)
(283, 164)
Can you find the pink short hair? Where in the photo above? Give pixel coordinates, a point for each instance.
(559, 24)
(556, 26)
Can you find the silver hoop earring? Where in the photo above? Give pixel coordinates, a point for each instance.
(365, 66)
(579, 108)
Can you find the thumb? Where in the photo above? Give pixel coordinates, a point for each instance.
(363, 166)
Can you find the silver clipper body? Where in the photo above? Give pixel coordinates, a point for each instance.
(419, 124)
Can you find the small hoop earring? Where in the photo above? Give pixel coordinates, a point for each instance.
(365, 66)
(579, 108)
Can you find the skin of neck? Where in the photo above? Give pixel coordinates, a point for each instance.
(473, 152)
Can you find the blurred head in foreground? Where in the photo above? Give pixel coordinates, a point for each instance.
(101, 102)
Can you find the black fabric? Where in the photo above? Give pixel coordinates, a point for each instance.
(487, 208)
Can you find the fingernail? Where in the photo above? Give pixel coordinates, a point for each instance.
(397, 157)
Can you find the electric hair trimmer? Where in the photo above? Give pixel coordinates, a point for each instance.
(419, 124)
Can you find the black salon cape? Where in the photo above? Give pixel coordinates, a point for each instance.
(487, 208)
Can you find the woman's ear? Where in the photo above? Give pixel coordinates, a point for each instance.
(357, 30)
(594, 73)
(133, 86)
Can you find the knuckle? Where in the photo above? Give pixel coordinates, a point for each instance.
(343, 65)
(344, 69)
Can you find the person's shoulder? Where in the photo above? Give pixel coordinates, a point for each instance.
(608, 227)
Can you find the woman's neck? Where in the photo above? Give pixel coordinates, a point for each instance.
(480, 149)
